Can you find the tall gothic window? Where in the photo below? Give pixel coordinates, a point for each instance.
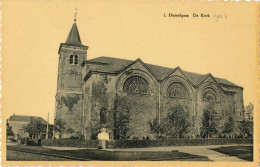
(103, 115)
(177, 90)
(74, 59)
(136, 85)
(209, 95)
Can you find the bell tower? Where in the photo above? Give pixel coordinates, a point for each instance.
(68, 107)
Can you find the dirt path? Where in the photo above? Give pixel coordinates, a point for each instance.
(194, 150)
(206, 151)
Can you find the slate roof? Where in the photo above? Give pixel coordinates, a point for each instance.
(74, 38)
(25, 118)
(116, 65)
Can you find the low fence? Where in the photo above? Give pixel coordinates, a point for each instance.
(70, 143)
(143, 143)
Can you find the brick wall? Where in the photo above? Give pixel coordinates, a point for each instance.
(68, 107)
(69, 110)
(99, 94)
(106, 91)
(141, 110)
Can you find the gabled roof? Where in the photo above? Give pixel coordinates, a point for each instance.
(194, 77)
(108, 64)
(74, 38)
(116, 65)
(225, 82)
(25, 118)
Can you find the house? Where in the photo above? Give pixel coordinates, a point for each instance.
(18, 123)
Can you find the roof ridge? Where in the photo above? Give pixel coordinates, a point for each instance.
(109, 58)
(25, 115)
(119, 64)
(195, 73)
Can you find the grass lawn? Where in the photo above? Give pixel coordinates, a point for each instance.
(242, 152)
(92, 154)
(21, 156)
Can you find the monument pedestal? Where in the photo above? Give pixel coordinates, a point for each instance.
(103, 136)
(103, 144)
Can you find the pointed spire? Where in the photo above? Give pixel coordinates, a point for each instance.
(74, 38)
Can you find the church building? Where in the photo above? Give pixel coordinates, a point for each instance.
(127, 97)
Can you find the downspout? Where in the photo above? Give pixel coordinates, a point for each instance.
(83, 112)
(159, 107)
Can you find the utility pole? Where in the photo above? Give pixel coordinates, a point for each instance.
(47, 130)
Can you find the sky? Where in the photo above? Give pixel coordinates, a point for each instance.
(33, 31)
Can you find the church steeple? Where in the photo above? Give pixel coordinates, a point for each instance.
(74, 38)
(72, 54)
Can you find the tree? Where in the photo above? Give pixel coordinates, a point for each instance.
(60, 126)
(35, 127)
(249, 111)
(228, 126)
(70, 130)
(122, 126)
(95, 129)
(246, 126)
(9, 131)
(155, 127)
(175, 124)
(209, 122)
(122, 118)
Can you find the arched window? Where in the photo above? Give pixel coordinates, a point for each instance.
(177, 90)
(103, 116)
(74, 59)
(136, 85)
(209, 95)
(71, 59)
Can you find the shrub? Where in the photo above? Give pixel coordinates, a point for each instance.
(144, 143)
(70, 143)
(176, 142)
